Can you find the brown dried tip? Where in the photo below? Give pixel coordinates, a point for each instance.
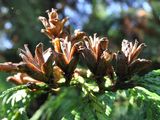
(96, 54)
(127, 62)
(131, 50)
(10, 67)
(65, 55)
(21, 78)
(38, 66)
(77, 36)
(53, 25)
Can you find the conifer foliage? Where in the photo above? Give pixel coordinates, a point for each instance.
(52, 84)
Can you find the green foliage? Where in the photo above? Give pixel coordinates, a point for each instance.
(71, 104)
(136, 104)
(14, 103)
(4, 84)
(55, 107)
(151, 81)
(80, 103)
(12, 90)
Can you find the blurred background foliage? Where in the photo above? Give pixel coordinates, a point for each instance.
(115, 19)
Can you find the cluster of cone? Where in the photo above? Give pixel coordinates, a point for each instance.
(50, 65)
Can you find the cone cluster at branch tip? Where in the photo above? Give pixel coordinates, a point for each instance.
(51, 65)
